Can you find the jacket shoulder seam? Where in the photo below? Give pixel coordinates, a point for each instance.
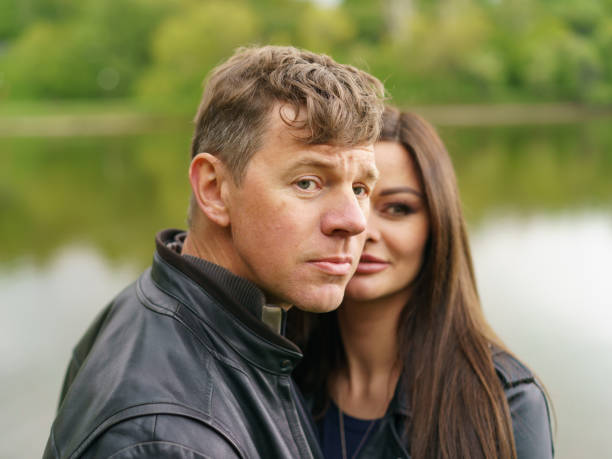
(510, 370)
(159, 442)
(176, 316)
(147, 409)
(157, 307)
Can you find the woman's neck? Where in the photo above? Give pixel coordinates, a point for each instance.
(364, 387)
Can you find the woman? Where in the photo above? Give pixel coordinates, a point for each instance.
(408, 366)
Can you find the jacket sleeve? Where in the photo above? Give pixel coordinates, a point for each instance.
(528, 407)
(164, 436)
(79, 353)
(530, 421)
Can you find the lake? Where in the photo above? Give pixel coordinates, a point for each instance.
(79, 214)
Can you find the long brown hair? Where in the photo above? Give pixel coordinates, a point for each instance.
(457, 402)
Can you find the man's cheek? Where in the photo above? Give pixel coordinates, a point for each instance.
(365, 207)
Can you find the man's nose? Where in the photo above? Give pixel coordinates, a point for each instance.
(345, 217)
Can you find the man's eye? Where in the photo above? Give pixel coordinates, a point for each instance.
(306, 184)
(360, 190)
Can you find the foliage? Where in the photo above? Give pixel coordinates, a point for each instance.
(95, 49)
(190, 43)
(426, 51)
(323, 31)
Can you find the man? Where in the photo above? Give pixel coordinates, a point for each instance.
(190, 360)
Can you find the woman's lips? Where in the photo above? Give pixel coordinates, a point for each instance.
(369, 264)
(336, 266)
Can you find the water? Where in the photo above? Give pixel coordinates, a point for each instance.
(79, 216)
(545, 286)
(45, 309)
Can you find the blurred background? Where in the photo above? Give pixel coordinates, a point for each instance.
(96, 101)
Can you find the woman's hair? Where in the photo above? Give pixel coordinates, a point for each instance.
(458, 407)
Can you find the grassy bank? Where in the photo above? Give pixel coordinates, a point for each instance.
(86, 118)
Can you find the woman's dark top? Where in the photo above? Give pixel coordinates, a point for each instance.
(356, 433)
(528, 409)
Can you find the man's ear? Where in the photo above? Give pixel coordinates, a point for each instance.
(208, 175)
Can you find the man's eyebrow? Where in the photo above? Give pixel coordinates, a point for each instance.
(315, 162)
(371, 173)
(401, 189)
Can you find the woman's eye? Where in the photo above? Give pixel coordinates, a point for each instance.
(398, 209)
(306, 184)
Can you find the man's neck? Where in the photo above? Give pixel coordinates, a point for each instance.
(219, 250)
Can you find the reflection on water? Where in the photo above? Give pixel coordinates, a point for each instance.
(112, 192)
(79, 216)
(522, 170)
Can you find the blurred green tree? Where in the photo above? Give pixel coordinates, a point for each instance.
(425, 50)
(323, 30)
(67, 69)
(98, 52)
(188, 44)
(17, 15)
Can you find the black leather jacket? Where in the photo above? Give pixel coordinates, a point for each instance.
(528, 408)
(181, 365)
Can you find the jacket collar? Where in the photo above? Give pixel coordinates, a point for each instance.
(399, 404)
(240, 303)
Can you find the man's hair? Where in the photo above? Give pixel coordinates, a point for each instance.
(333, 104)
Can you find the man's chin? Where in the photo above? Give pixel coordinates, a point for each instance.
(320, 302)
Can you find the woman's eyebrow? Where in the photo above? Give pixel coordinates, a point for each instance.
(400, 189)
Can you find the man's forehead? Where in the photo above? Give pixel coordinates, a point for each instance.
(283, 124)
(281, 136)
(359, 158)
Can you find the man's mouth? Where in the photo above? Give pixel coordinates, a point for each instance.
(336, 266)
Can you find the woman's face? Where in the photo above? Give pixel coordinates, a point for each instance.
(398, 228)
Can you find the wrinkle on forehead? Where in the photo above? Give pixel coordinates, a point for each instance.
(340, 159)
(287, 121)
(280, 136)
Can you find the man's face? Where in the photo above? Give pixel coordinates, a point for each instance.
(297, 220)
